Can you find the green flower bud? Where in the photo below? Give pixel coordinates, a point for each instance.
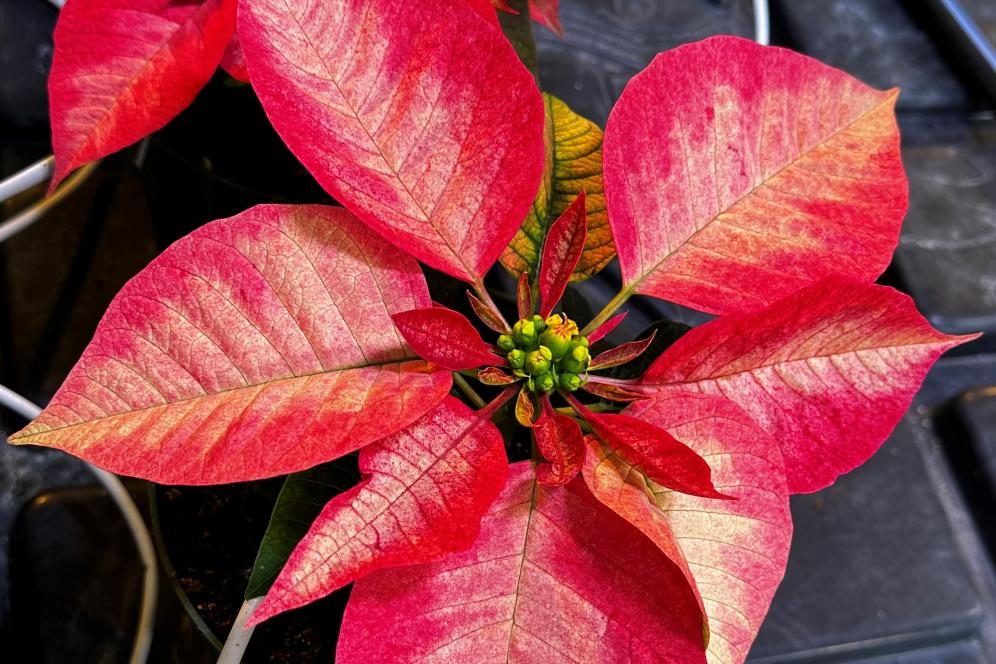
(558, 335)
(520, 373)
(570, 381)
(570, 365)
(516, 358)
(524, 334)
(581, 354)
(539, 323)
(538, 361)
(579, 341)
(544, 382)
(505, 342)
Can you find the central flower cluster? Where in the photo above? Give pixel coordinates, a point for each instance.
(549, 353)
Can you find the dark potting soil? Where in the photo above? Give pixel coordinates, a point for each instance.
(211, 535)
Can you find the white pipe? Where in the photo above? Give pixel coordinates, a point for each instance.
(762, 24)
(139, 532)
(238, 636)
(30, 215)
(24, 179)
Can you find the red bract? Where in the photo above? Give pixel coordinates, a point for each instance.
(736, 174)
(741, 180)
(124, 68)
(809, 368)
(214, 364)
(554, 577)
(422, 122)
(428, 487)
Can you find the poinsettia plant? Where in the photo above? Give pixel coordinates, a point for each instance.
(651, 522)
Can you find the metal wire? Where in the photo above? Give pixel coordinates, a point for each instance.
(139, 532)
(762, 23)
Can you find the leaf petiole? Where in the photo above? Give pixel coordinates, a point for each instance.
(468, 390)
(610, 308)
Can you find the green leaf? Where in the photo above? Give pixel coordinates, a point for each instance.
(301, 499)
(573, 164)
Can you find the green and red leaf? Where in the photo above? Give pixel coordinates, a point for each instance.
(573, 163)
(422, 122)
(426, 489)
(256, 346)
(736, 174)
(444, 337)
(124, 68)
(827, 371)
(553, 576)
(606, 328)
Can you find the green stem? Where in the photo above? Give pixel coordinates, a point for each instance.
(610, 308)
(468, 391)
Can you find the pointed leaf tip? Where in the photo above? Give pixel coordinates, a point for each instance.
(809, 368)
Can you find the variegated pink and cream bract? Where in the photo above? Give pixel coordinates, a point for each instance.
(739, 179)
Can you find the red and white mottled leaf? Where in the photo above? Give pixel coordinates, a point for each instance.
(737, 174)
(652, 450)
(554, 576)
(234, 61)
(827, 371)
(547, 14)
(258, 345)
(444, 337)
(124, 68)
(426, 489)
(606, 328)
(621, 354)
(560, 441)
(736, 550)
(561, 252)
(422, 121)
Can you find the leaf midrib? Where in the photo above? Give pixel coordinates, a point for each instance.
(21, 436)
(890, 98)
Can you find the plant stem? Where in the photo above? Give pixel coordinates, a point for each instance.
(594, 407)
(238, 637)
(610, 308)
(468, 391)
